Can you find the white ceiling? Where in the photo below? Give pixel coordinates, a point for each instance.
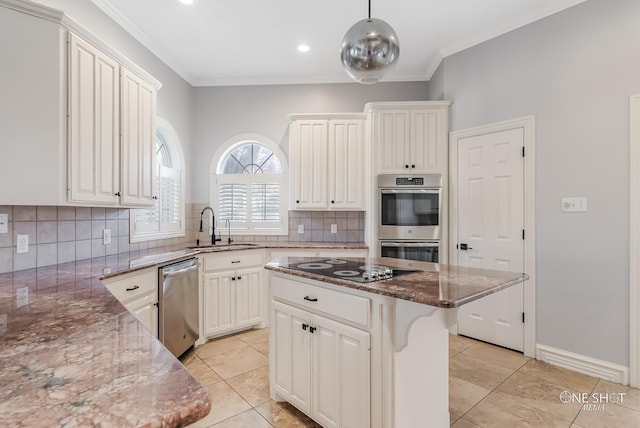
(249, 42)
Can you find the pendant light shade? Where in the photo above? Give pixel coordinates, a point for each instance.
(369, 50)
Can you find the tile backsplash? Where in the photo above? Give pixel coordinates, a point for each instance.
(66, 234)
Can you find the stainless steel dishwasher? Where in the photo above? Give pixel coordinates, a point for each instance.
(178, 307)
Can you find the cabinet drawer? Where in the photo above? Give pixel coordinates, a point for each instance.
(346, 306)
(134, 286)
(229, 260)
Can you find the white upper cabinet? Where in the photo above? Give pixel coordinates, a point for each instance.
(61, 113)
(346, 164)
(112, 130)
(94, 124)
(138, 140)
(309, 166)
(409, 136)
(33, 110)
(327, 162)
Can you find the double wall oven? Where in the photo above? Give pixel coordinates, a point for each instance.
(409, 224)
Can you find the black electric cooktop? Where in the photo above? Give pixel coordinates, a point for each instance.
(351, 270)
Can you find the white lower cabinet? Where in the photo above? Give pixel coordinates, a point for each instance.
(233, 296)
(319, 364)
(231, 300)
(138, 292)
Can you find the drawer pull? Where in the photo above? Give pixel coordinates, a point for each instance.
(310, 299)
(235, 261)
(305, 326)
(312, 329)
(135, 287)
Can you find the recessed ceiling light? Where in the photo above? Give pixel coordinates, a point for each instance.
(187, 1)
(303, 48)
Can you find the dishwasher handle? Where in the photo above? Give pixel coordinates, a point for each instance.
(173, 273)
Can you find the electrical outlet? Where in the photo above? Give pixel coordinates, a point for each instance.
(106, 236)
(334, 228)
(301, 229)
(22, 244)
(22, 297)
(575, 205)
(4, 223)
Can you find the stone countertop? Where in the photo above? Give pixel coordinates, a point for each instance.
(72, 355)
(139, 260)
(439, 285)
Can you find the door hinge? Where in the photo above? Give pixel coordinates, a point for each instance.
(523, 317)
(522, 233)
(522, 151)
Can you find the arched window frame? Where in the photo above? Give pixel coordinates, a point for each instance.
(140, 233)
(216, 178)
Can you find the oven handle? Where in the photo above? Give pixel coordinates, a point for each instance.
(410, 191)
(410, 244)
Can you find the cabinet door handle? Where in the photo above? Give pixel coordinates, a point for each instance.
(310, 299)
(155, 198)
(235, 261)
(312, 329)
(156, 304)
(233, 278)
(135, 287)
(305, 326)
(413, 166)
(297, 202)
(239, 277)
(406, 166)
(118, 194)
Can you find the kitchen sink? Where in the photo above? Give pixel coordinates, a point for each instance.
(235, 245)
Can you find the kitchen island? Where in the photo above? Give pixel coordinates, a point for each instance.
(349, 351)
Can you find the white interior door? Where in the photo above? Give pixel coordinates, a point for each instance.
(490, 231)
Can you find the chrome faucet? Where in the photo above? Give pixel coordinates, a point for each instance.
(227, 223)
(213, 225)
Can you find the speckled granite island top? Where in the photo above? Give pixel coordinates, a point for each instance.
(72, 355)
(440, 285)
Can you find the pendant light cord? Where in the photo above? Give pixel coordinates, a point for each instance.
(369, 9)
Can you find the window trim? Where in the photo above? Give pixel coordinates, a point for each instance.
(172, 142)
(214, 169)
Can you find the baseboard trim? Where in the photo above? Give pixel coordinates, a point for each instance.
(583, 364)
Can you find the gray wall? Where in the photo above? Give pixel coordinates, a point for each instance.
(575, 72)
(223, 112)
(175, 99)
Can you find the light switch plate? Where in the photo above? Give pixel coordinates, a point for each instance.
(106, 236)
(574, 205)
(301, 229)
(22, 244)
(4, 223)
(334, 228)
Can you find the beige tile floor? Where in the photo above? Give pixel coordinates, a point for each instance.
(488, 387)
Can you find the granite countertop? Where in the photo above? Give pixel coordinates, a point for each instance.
(439, 285)
(72, 355)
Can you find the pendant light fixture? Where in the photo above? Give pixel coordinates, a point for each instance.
(369, 50)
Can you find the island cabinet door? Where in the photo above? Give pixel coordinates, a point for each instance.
(292, 355)
(341, 374)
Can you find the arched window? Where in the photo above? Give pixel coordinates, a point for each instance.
(248, 186)
(166, 218)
